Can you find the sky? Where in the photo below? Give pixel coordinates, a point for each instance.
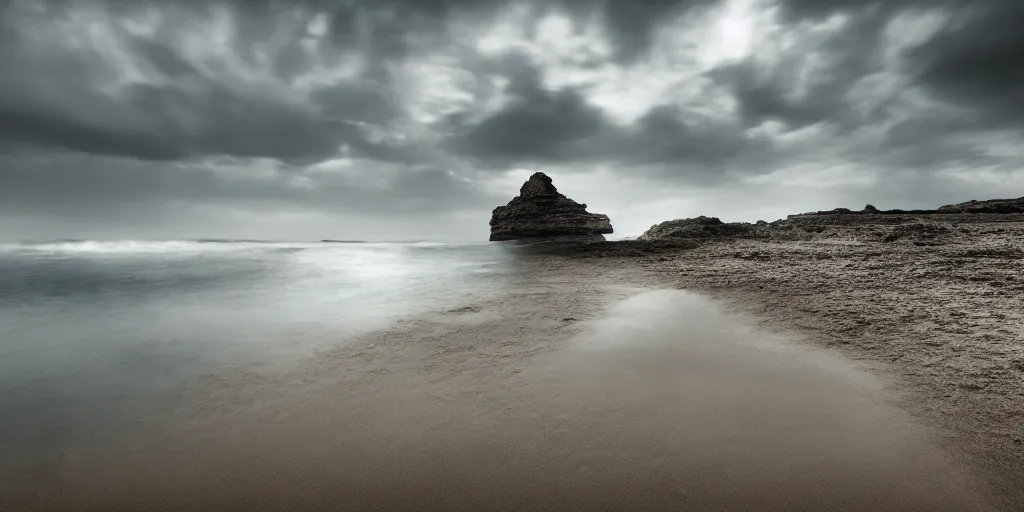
(397, 119)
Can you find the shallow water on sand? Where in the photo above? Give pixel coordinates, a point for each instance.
(665, 403)
(95, 335)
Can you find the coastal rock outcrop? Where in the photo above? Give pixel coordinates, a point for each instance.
(990, 207)
(1001, 206)
(702, 227)
(541, 212)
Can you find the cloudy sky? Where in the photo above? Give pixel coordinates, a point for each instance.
(414, 118)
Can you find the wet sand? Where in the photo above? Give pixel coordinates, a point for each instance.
(575, 391)
(940, 310)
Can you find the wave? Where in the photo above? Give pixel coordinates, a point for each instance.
(138, 246)
(74, 246)
(237, 241)
(430, 244)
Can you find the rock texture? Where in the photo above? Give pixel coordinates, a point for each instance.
(541, 212)
(942, 306)
(700, 227)
(920, 227)
(990, 206)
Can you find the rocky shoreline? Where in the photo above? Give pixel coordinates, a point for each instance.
(933, 299)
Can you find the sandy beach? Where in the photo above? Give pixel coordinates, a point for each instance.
(938, 308)
(591, 385)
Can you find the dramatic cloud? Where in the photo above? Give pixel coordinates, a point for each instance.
(323, 118)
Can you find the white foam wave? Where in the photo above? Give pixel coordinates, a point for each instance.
(137, 246)
(430, 244)
(128, 247)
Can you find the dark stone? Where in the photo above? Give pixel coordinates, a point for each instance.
(1003, 206)
(702, 227)
(541, 212)
(991, 206)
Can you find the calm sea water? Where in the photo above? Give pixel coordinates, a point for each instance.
(92, 331)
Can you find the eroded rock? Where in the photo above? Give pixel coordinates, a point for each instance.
(702, 227)
(541, 212)
(990, 206)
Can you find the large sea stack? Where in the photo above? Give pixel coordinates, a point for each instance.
(540, 212)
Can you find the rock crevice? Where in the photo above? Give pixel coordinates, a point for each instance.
(541, 212)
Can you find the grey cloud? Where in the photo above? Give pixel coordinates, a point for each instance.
(798, 10)
(769, 93)
(972, 61)
(87, 196)
(545, 127)
(541, 126)
(384, 24)
(193, 114)
(762, 96)
(167, 123)
(537, 125)
(969, 65)
(73, 183)
(632, 23)
(976, 62)
(665, 136)
(51, 98)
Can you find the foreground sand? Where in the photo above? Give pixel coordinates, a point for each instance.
(944, 316)
(542, 399)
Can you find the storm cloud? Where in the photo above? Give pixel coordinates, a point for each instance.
(324, 118)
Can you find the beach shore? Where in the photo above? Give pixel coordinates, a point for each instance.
(941, 311)
(589, 385)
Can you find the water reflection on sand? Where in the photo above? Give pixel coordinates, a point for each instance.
(665, 403)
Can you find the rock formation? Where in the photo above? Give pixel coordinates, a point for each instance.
(702, 227)
(541, 212)
(991, 206)
(919, 227)
(1001, 206)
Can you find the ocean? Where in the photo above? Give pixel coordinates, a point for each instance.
(95, 334)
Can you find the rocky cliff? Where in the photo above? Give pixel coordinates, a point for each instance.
(541, 212)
